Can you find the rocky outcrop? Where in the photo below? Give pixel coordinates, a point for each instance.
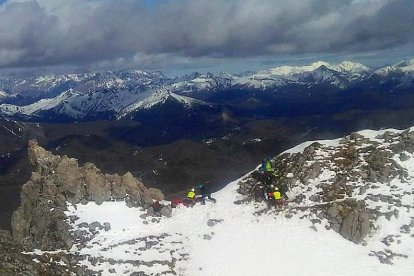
(13, 262)
(350, 218)
(57, 180)
(350, 182)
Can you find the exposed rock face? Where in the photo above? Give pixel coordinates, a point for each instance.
(40, 220)
(350, 218)
(13, 262)
(342, 181)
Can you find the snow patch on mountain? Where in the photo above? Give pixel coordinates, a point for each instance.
(261, 79)
(201, 82)
(345, 66)
(407, 66)
(159, 96)
(120, 102)
(41, 105)
(53, 80)
(292, 70)
(352, 67)
(318, 72)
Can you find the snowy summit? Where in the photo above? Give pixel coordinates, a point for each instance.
(345, 66)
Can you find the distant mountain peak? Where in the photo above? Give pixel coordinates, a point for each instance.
(157, 97)
(343, 67)
(291, 70)
(406, 65)
(350, 66)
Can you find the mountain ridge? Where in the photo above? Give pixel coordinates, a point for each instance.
(112, 94)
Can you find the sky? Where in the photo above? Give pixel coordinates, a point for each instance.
(178, 36)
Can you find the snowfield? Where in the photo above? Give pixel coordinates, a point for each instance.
(242, 244)
(239, 239)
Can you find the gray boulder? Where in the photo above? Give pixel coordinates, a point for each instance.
(107, 226)
(213, 222)
(356, 226)
(166, 211)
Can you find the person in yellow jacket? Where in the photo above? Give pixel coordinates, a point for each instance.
(191, 194)
(189, 201)
(277, 197)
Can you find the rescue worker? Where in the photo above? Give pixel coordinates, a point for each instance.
(267, 169)
(205, 193)
(191, 194)
(277, 197)
(267, 165)
(190, 199)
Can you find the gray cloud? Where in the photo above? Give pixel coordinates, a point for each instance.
(98, 33)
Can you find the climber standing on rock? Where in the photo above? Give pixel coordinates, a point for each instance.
(267, 169)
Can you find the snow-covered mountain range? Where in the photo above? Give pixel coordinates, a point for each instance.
(118, 94)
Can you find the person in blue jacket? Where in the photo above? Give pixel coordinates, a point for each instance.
(205, 193)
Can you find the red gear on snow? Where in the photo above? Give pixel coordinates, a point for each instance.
(176, 201)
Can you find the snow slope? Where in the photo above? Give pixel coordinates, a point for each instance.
(242, 244)
(43, 104)
(248, 239)
(122, 102)
(406, 66)
(157, 97)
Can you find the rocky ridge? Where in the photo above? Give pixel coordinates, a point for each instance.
(40, 221)
(352, 185)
